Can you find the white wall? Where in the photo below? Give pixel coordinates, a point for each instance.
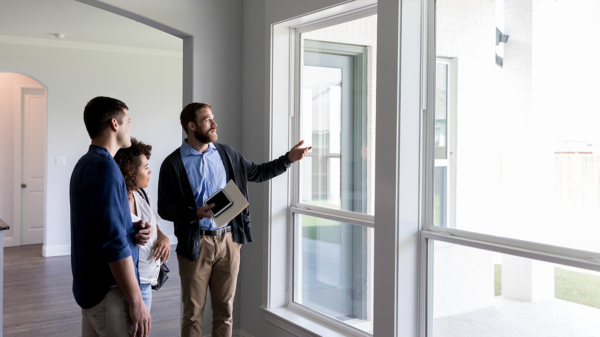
(7, 116)
(212, 62)
(212, 70)
(150, 85)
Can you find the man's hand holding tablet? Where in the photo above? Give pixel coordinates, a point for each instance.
(221, 202)
(203, 212)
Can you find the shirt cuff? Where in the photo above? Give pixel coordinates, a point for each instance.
(286, 160)
(113, 254)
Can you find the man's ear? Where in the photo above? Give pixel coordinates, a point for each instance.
(191, 126)
(114, 125)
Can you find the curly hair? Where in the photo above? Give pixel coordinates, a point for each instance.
(129, 161)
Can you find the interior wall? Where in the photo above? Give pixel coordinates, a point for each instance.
(150, 85)
(7, 116)
(212, 34)
(212, 68)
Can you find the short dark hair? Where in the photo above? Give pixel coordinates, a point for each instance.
(99, 111)
(129, 161)
(189, 113)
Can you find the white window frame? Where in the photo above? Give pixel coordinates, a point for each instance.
(297, 206)
(277, 300)
(538, 251)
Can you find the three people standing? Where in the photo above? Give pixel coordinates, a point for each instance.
(105, 239)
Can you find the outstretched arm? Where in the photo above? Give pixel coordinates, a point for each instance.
(269, 170)
(297, 152)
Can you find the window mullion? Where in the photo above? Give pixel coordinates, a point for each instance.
(335, 215)
(538, 251)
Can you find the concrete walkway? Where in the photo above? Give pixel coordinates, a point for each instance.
(513, 318)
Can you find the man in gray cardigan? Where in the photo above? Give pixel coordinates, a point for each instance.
(209, 256)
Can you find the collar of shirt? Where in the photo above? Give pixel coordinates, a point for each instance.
(187, 150)
(100, 149)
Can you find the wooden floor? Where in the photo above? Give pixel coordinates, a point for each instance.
(38, 300)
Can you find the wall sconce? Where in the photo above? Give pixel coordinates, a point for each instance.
(500, 37)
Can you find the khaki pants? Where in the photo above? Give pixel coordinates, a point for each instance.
(217, 268)
(109, 318)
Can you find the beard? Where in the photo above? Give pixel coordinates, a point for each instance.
(206, 137)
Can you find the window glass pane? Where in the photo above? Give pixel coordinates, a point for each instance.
(333, 270)
(441, 111)
(337, 115)
(482, 293)
(439, 198)
(523, 118)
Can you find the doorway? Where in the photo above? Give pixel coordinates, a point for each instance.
(23, 105)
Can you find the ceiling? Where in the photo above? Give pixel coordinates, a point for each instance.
(41, 19)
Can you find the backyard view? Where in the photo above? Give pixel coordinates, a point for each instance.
(569, 285)
(517, 155)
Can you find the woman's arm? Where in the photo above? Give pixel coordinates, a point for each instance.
(162, 247)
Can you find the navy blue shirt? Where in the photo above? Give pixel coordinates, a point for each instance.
(101, 226)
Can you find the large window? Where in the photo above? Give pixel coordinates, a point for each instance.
(333, 201)
(510, 236)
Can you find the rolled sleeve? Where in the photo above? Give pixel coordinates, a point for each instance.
(108, 200)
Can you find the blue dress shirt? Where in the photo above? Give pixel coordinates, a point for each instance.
(206, 174)
(101, 226)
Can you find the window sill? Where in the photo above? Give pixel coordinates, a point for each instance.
(300, 324)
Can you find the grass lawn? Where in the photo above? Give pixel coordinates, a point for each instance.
(569, 285)
(497, 279)
(577, 287)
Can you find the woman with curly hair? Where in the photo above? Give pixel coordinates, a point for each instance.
(133, 162)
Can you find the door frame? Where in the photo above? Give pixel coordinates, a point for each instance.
(18, 158)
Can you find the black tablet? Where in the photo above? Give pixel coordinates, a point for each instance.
(221, 202)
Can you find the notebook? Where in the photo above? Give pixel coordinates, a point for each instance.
(239, 204)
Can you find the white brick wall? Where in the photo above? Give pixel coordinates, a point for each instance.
(463, 279)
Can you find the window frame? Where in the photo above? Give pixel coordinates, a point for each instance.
(296, 206)
(450, 162)
(592, 259)
(429, 232)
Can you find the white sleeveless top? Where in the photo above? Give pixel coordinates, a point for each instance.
(148, 267)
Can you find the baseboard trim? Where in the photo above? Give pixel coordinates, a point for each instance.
(9, 241)
(234, 333)
(241, 333)
(56, 250)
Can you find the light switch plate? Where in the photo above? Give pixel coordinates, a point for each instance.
(61, 161)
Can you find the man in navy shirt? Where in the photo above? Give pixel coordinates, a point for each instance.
(104, 240)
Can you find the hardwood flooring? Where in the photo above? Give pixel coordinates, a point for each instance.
(38, 300)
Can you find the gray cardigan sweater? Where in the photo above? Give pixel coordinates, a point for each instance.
(176, 200)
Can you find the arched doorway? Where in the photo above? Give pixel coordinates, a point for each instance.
(23, 110)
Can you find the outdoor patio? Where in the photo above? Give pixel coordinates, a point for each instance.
(514, 318)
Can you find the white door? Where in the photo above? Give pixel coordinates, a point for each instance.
(33, 105)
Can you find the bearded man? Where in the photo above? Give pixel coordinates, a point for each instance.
(209, 256)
